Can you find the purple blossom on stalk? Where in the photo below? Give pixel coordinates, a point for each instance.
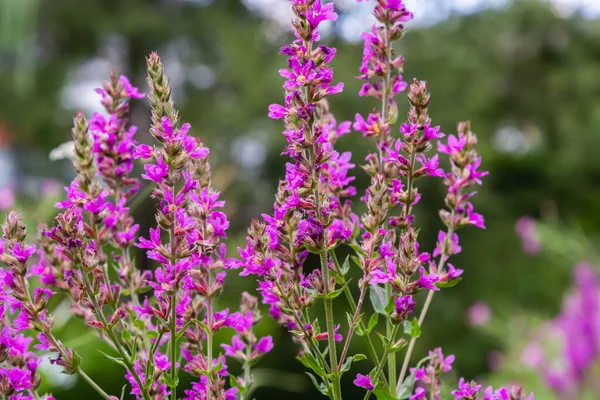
(428, 377)
(466, 390)
(364, 381)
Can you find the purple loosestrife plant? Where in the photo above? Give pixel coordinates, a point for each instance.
(165, 320)
(87, 256)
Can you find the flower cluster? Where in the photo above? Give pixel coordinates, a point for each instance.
(427, 383)
(470, 391)
(575, 332)
(191, 256)
(87, 255)
(166, 319)
(310, 210)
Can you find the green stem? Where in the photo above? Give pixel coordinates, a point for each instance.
(314, 347)
(112, 335)
(246, 368)
(174, 345)
(361, 324)
(361, 297)
(333, 361)
(209, 338)
(93, 384)
(55, 343)
(386, 352)
(411, 345)
(392, 356)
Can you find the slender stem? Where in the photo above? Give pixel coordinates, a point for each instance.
(111, 334)
(432, 388)
(333, 361)
(361, 324)
(381, 364)
(94, 385)
(361, 298)
(209, 337)
(174, 345)
(392, 356)
(151, 355)
(309, 339)
(411, 345)
(58, 346)
(246, 367)
(173, 303)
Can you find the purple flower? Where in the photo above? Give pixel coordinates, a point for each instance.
(130, 90)
(236, 348)
(427, 281)
(364, 381)
(18, 379)
(404, 305)
(474, 218)
(418, 394)
(156, 172)
(264, 345)
(277, 111)
(453, 246)
(430, 166)
(319, 13)
(239, 322)
(455, 145)
(466, 390)
(22, 253)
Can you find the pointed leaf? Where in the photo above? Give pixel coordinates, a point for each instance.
(412, 328)
(448, 284)
(117, 360)
(378, 299)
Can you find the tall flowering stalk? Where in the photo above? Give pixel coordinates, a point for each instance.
(310, 213)
(86, 254)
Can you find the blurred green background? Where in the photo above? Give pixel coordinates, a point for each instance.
(526, 73)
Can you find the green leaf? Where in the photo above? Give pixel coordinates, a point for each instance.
(123, 392)
(233, 382)
(359, 357)
(407, 387)
(185, 327)
(382, 393)
(384, 340)
(320, 386)
(126, 335)
(378, 299)
(356, 261)
(309, 361)
(346, 365)
(448, 284)
(345, 266)
(170, 381)
(357, 249)
(138, 323)
(117, 360)
(412, 328)
(336, 293)
(372, 322)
